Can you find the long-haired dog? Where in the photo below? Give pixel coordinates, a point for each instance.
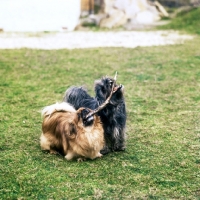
(68, 132)
(113, 116)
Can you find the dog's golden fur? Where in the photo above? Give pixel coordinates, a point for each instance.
(65, 133)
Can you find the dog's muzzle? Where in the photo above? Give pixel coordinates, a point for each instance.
(118, 87)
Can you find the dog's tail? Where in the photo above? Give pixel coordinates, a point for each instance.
(48, 110)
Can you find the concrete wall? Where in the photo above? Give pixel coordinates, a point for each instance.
(39, 15)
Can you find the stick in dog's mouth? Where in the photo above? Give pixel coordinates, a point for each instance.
(118, 87)
(102, 106)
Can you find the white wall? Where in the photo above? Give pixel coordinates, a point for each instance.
(39, 15)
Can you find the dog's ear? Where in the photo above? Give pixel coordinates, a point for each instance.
(72, 131)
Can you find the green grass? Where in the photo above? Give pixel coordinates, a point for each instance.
(163, 129)
(186, 21)
(162, 91)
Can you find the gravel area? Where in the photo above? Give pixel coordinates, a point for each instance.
(88, 39)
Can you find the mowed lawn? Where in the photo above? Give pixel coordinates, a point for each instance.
(162, 93)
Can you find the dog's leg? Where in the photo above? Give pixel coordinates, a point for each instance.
(99, 155)
(44, 143)
(105, 150)
(70, 155)
(119, 144)
(95, 155)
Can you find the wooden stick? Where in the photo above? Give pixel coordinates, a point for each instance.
(103, 105)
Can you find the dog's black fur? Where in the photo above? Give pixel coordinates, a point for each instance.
(113, 116)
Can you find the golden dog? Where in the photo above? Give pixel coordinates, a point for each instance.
(70, 132)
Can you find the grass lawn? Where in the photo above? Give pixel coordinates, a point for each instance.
(162, 91)
(186, 21)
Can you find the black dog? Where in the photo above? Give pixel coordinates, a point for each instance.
(113, 116)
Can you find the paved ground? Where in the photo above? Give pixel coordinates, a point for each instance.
(88, 39)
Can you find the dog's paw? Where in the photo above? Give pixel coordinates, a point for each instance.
(99, 155)
(81, 159)
(53, 152)
(120, 148)
(70, 155)
(105, 150)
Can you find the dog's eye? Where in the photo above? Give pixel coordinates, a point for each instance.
(110, 83)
